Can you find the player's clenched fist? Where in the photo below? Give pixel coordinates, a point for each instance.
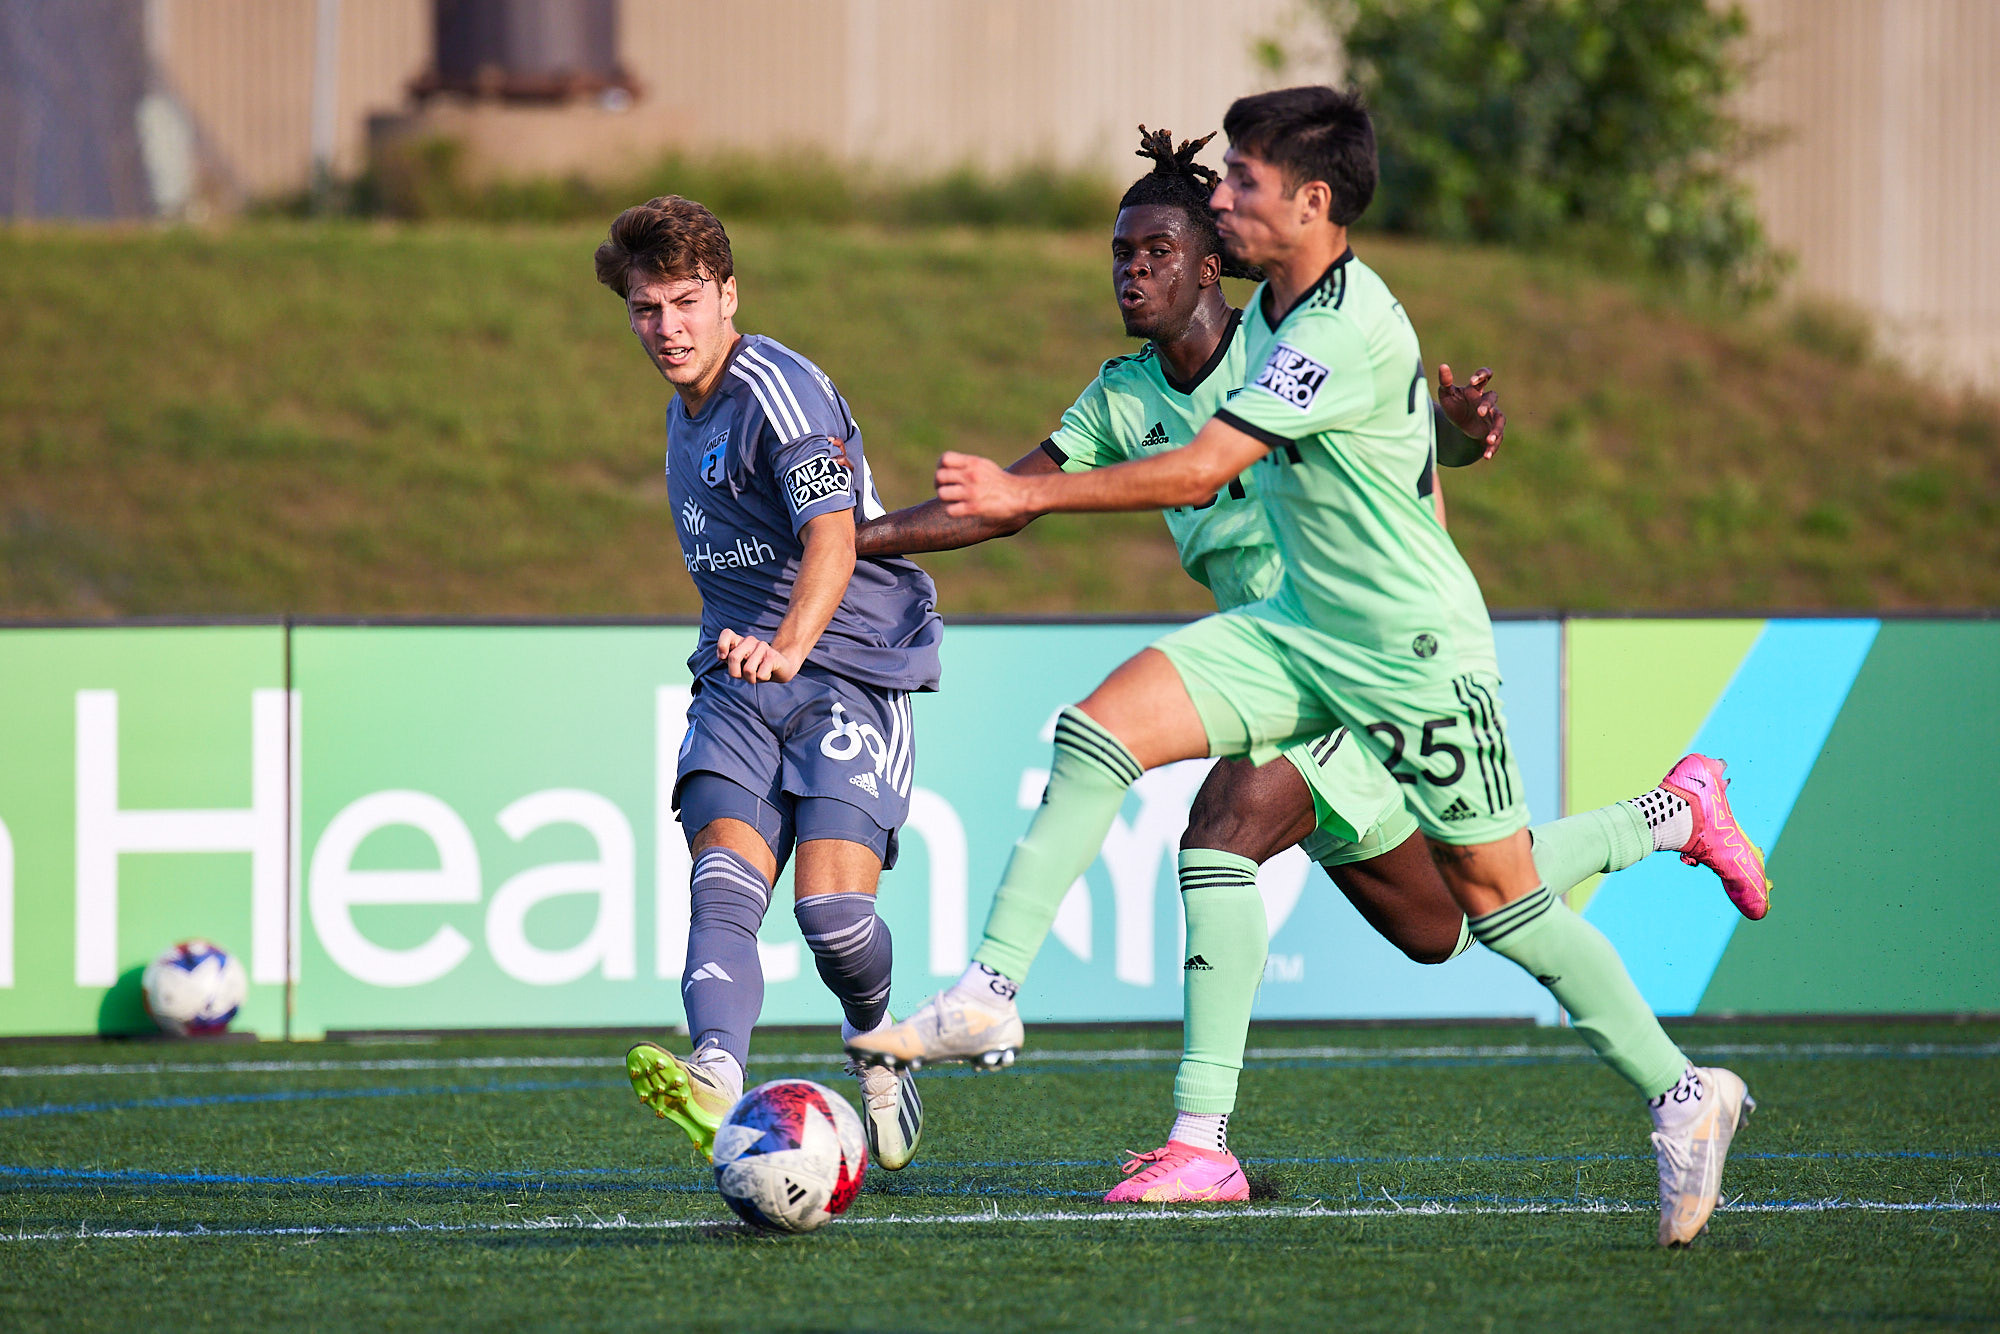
(751, 659)
(971, 486)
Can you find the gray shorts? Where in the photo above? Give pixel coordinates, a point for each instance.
(815, 738)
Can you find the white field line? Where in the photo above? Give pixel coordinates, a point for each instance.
(1512, 1051)
(620, 1223)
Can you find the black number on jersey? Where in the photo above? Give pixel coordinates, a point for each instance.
(1416, 382)
(1289, 454)
(1392, 737)
(1236, 492)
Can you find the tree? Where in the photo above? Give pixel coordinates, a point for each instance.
(1525, 121)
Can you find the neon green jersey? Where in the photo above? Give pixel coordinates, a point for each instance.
(1134, 409)
(1337, 392)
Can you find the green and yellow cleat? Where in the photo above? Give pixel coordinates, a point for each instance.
(683, 1092)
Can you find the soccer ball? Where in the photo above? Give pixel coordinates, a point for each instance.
(790, 1156)
(194, 988)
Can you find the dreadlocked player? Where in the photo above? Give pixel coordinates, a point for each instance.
(1330, 794)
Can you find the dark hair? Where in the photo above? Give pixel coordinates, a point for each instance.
(668, 237)
(1311, 134)
(1178, 181)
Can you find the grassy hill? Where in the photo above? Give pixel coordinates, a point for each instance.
(453, 419)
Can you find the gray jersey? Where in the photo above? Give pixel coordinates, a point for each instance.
(774, 447)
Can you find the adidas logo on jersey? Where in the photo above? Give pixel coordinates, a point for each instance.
(709, 972)
(692, 518)
(1197, 965)
(866, 782)
(1457, 811)
(1155, 438)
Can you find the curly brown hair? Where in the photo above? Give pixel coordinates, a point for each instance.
(668, 237)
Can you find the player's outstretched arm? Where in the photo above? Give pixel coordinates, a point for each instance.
(1473, 412)
(927, 527)
(824, 570)
(970, 486)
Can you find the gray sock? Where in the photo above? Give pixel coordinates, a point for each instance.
(722, 986)
(851, 946)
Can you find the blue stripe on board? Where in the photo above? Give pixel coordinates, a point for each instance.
(1770, 723)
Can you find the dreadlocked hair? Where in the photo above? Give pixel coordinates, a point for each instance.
(1178, 181)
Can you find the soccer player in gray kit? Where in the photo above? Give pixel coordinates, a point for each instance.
(799, 733)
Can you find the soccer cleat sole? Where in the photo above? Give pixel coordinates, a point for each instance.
(663, 1087)
(985, 1062)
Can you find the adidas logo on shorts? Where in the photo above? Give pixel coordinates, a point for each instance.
(866, 782)
(1155, 438)
(1457, 811)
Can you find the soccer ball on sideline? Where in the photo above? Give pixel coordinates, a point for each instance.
(791, 1156)
(194, 988)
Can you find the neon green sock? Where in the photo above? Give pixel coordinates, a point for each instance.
(1087, 784)
(1226, 940)
(1465, 939)
(1572, 958)
(1571, 850)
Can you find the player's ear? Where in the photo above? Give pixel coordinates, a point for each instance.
(1315, 201)
(1210, 272)
(727, 288)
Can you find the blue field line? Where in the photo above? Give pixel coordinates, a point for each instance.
(639, 1178)
(299, 1095)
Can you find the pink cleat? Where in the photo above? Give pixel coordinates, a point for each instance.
(1179, 1173)
(1719, 843)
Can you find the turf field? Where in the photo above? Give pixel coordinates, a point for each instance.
(1442, 1178)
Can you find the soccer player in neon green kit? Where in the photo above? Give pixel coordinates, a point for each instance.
(1376, 619)
(1330, 794)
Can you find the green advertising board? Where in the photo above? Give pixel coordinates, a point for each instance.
(143, 800)
(452, 827)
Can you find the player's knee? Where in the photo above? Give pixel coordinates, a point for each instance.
(1214, 826)
(1430, 949)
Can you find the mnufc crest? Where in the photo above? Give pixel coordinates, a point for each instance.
(742, 555)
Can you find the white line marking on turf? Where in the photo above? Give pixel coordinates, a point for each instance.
(620, 1223)
(1084, 1056)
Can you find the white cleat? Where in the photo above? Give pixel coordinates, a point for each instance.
(1691, 1157)
(894, 1114)
(945, 1028)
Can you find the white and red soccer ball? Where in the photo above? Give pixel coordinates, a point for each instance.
(790, 1156)
(194, 988)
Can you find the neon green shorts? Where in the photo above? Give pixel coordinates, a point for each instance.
(1263, 684)
(1359, 806)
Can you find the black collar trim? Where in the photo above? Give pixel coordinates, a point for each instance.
(1186, 388)
(1306, 295)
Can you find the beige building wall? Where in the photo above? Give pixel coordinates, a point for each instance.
(1887, 184)
(913, 84)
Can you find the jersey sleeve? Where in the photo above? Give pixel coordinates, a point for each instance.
(805, 432)
(1084, 439)
(1316, 377)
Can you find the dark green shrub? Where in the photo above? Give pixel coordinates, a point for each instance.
(1528, 121)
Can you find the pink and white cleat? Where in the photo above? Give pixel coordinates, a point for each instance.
(1180, 1173)
(1719, 843)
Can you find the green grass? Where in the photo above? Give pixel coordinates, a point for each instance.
(369, 419)
(1412, 1179)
